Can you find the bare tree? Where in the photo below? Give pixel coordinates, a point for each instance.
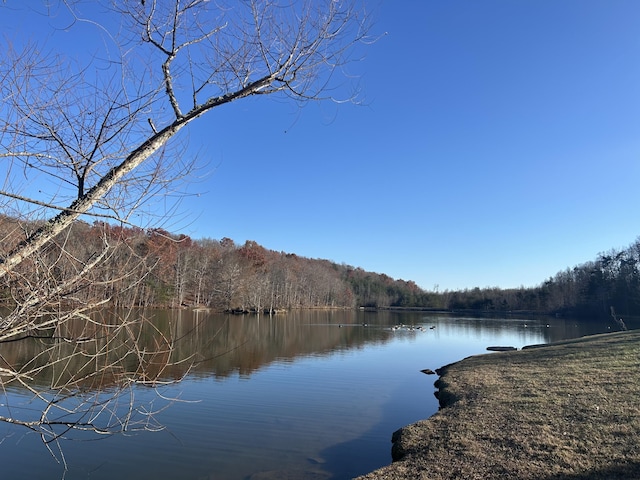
(99, 139)
(92, 135)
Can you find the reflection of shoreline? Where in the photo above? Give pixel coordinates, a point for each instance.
(244, 344)
(172, 343)
(198, 343)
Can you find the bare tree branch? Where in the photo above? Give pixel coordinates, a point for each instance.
(95, 137)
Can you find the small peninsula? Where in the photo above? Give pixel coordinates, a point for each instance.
(564, 411)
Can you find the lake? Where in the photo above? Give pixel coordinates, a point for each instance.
(309, 395)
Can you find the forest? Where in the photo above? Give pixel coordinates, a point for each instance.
(156, 268)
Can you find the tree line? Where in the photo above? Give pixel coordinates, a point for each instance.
(606, 286)
(156, 268)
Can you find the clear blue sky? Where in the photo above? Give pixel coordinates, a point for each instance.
(498, 144)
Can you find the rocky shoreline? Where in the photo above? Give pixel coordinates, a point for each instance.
(566, 411)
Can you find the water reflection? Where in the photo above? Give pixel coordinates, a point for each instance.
(318, 393)
(201, 343)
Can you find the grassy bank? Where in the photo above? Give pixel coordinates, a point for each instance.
(570, 410)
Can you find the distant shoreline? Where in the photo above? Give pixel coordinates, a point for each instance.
(467, 311)
(563, 411)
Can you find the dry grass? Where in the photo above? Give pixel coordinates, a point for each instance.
(566, 411)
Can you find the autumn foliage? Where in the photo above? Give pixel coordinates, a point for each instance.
(157, 268)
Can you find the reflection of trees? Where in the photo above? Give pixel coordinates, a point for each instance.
(220, 344)
(80, 376)
(164, 345)
(86, 374)
(89, 375)
(84, 377)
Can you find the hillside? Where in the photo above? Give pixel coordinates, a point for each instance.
(153, 267)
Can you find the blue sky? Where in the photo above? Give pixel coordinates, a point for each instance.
(496, 145)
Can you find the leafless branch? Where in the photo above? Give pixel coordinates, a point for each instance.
(96, 138)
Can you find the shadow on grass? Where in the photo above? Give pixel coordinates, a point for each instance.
(626, 471)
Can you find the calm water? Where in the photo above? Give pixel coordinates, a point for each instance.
(308, 395)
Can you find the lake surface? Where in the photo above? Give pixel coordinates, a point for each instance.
(310, 395)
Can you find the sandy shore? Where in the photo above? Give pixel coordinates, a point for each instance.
(569, 410)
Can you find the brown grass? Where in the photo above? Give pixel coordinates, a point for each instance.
(570, 410)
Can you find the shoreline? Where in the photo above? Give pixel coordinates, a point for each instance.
(567, 410)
